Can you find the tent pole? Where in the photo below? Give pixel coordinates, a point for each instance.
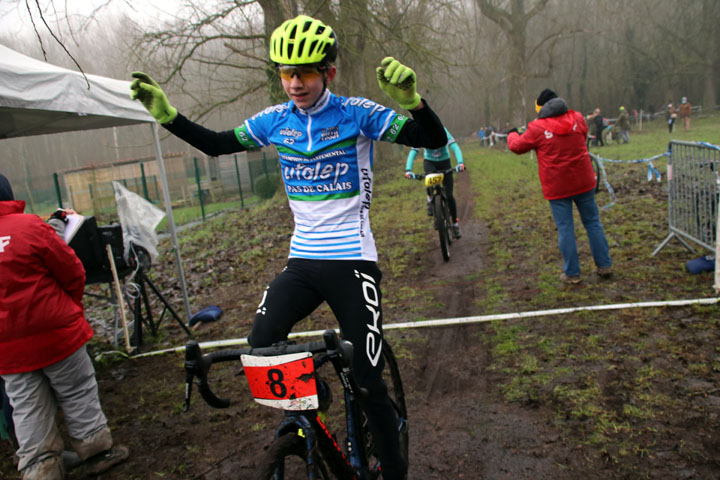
(171, 220)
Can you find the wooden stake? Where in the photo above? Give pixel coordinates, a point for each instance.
(118, 293)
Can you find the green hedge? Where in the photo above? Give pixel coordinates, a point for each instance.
(266, 186)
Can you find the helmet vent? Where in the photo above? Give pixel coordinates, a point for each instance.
(301, 47)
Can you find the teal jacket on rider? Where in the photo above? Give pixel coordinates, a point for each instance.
(437, 154)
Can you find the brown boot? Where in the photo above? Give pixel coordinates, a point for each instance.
(96, 443)
(570, 279)
(49, 469)
(604, 272)
(106, 460)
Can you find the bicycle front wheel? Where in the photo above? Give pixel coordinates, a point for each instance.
(397, 397)
(441, 224)
(391, 376)
(286, 458)
(448, 220)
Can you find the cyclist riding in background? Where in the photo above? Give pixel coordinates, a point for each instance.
(438, 160)
(325, 146)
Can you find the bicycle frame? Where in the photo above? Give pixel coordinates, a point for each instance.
(315, 433)
(440, 208)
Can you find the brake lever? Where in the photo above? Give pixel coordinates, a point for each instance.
(192, 360)
(341, 355)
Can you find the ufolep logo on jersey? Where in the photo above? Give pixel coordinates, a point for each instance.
(291, 135)
(320, 180)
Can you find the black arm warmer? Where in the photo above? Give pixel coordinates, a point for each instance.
(424, 130)
(207, 141)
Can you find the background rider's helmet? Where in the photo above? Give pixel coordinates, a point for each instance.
(303, 40)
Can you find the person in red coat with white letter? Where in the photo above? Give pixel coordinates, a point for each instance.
(558, 136)
(43, 360)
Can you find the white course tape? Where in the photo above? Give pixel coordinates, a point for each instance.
(467, 320)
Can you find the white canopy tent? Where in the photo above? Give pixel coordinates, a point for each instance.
(37, 98)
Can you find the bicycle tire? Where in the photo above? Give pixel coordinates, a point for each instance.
(391, 375)
(280, 449)
(440, 225)
(448, 220)
(397, 396)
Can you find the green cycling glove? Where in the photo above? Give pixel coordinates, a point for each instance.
(398, 82)
(147, 90)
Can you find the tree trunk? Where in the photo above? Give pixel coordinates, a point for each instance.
(709, 100)
(276, 12)
(513, 23)
(518, 78)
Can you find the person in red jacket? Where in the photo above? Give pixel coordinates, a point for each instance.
(566, 175)
(44, 362)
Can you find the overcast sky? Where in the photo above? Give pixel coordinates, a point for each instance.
(15, 20)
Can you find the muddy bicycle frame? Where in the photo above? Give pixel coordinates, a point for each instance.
(320, 445)
(440, 207)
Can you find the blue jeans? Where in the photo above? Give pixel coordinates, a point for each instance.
(563, 213)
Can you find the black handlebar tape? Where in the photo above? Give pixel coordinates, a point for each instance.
(210, 398)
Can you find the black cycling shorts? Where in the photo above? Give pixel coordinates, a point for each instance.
(351, 289)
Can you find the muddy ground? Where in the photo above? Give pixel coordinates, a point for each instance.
(460, 425)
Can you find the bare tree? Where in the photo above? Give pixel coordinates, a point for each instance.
(514, 24)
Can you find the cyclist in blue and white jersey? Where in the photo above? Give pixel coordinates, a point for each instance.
(325, 145)
(438, 160)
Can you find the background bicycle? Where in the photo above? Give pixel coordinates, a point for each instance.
(440, 208)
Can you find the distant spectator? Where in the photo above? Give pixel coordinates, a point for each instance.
(608, 133)
(684, 112)
(670, 116)
(589, 121)
(490, 137)
(481, 136)
(623, 126)
(504, 132)
(599, 126)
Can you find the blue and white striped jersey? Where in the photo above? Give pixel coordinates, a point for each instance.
(326, 157)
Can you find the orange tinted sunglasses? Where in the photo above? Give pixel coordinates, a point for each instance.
(303, 72)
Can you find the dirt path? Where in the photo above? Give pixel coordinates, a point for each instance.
(459, 428)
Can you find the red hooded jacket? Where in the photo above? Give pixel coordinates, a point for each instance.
(42, 282)
(558, 136)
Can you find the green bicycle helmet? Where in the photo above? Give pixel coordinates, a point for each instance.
(303, 40)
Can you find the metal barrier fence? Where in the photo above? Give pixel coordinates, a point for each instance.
(693, 174)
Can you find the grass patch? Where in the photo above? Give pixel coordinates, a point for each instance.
(580, 364)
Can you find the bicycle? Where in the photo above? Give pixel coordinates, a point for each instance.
(442, 220)
(281, 376)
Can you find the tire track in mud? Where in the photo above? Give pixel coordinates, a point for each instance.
(468, 431)
(449, 281)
